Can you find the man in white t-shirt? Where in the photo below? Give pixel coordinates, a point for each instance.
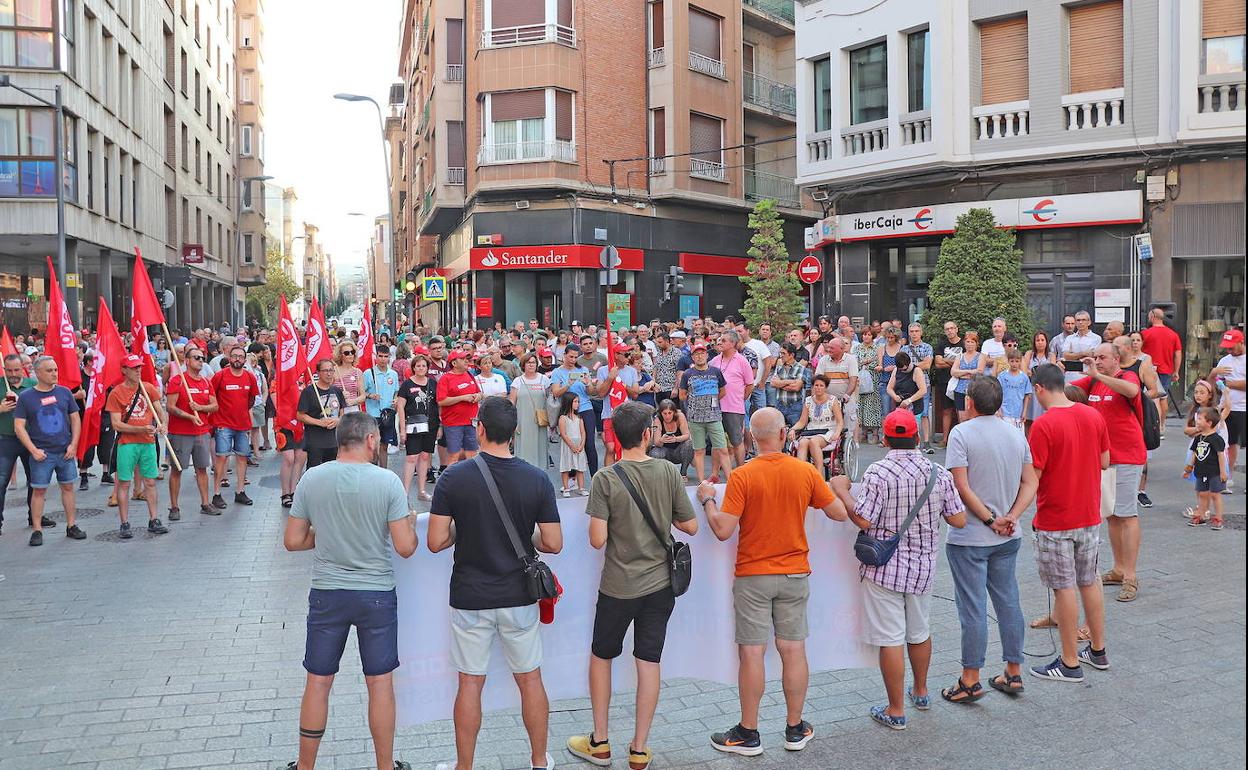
(1078, 346)
(841, 369)
(994, 347)
(1230, 373)
(762, 373)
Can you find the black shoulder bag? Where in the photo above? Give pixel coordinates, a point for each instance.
(679, 555)
(876, 553)
(538, 577)
(134, 403)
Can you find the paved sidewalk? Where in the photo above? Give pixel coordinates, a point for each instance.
(184, 651)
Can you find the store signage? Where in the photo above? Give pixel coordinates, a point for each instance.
(484, 307)
(1080, 210)
(192, 253)
(1144, 246)
(810, 269)
(550, 258)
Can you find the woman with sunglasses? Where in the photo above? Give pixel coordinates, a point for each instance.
(348, 376)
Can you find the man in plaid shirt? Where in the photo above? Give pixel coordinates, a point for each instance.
(896, 597)
(791, 382)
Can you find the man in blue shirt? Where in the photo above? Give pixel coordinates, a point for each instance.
(572, 378)
(381, 385)
(47, 423)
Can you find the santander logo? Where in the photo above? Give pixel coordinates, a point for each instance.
(489, 260)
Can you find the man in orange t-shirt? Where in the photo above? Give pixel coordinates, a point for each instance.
(767, 498)
(137, 428)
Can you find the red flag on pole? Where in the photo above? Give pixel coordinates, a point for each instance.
(7, 348)
(365, 343)
(60, 341)
(139, 346)
(317, 347)
(290, 366)
(105, 373)
(616, 394)
(146, 305)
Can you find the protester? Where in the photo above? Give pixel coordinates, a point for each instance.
(907, 388)
(1230, 374)
(841, 371)
(1206, 464)
(458, 395)
(671, 438)
(48, 423)
(635, 588)
(1205, 393)
(1142, 367)
(321, 405)
(11, 448)
(869, 405)
(970, 364)
(236, 392)
(951, 349)
(1164, 346)
(738, 386)
(820, 424)
(1041, 353)
(528, 393)
(922, 356)
(897, 595)
(417, 406)
(381, 387)
(351, 514)
(1016, 391)
(766, 499)
(573, 378)
(191, 403)
(790, 382)
(138, 420)
(1078, 346)
(489, 594)
(702, 391)
(573, 468)
(994, 346)
(888, 350)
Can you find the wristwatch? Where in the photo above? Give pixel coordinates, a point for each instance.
(992, 519)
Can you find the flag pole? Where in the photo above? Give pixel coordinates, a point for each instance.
(169, 337)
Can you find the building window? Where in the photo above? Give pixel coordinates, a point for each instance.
(656, 26)
(455, 50)
(198, 162)
(244, 89)
(1222, 37)
(185, 72)
(1096, 51)
(245, 141)
(108, 187)
(26, 34)
(658, 141)
(70, 148)
(918, 70)
(706, 143)
(186, 149)
(1003, 61)
(198, 89)
(868, 83)
(27, 160)
(704, 44)
(69, 33)
(536, 124)
(249, 256)
(516, 22)
(823, 94)
(456, 152)
(246, 30)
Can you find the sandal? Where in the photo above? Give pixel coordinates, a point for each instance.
(1215, 524)
(1195, 521)
(1007, 684)
(1112, 578)
(1044, 621)
(1084, 634)
(288, 501)
(1129, 589)
(969, 694)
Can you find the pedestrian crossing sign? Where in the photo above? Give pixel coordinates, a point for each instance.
(433, 289)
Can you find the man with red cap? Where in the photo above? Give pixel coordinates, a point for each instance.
(625, 375)
(1229, 374)
(137, 420)
(458, 395)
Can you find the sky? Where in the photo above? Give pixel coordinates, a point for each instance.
(330, 150)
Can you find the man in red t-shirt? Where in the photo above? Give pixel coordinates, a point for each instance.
(1070, 446)
(190, 403)
(458, 395)
(1115, 394)
(236, 391)
(1164, 346)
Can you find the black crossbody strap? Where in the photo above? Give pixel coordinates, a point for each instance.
(134, 403)
(508, 524)
(641, 505)
(918, 505)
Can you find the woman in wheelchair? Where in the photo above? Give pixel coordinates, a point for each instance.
(820, 425)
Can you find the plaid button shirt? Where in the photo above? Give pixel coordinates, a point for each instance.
(890, 487)
(794, 372)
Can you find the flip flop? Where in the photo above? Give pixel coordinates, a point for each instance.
(1044, 621)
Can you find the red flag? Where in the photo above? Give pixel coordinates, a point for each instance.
(146, 306)
(365, 342)
(617, 393)
(7, 348)
(291, 364)
(60, 340)
(139, 346)
(105, 373)
(317, 347)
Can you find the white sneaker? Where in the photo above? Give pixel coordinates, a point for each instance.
(563, 492)
(583, 492)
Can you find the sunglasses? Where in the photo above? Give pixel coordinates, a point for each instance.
(348, 352)
(195, 358)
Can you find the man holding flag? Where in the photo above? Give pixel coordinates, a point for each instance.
(291, 364)
(134, 407)
(190, 399)
(615, 385)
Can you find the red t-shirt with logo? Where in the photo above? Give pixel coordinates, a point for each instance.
(1124, 417)
(235, 394)
(1066, 446)
(452, 384)
(187, 388)
(1162, 342)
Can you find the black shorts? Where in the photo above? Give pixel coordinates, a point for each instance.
(416, 443)
(1237, 429)
(286, 441)
(318, 456)
(332, 613)
(270, 411)
(959, 401)
(648, 615)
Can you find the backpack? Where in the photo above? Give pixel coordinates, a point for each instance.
(1150, 421)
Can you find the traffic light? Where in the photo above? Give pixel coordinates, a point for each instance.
(409, 283)
(673, 282)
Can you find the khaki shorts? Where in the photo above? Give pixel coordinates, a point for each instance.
(192, 449)
(891, 618)
(701, 431)
(517, 629)
(1119, 486)
(771, 603)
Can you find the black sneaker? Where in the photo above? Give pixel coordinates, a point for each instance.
(209, 510)
(1059, 672)
(1144, 500)
(47, 523)
(242, 499)
(797, 736)
(225, 482)
(125, 532)
(73, 533)
(430, 478)
(1099, 662)
(36, 538)
(156, 528)
(218, 502)
(83, 484)
(175, 514)
(738, 740)
(106, 478)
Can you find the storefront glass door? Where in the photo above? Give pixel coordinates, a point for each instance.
(1053, 292)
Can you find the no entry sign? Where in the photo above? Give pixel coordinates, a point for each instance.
(810, 269)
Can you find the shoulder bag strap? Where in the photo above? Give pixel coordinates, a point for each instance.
(918, 505)
(508, 524)
(641, 505)
(134, 403)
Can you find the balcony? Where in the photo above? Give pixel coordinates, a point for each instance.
(916, 127)
(712, 170)
(1093, 109)
(426, 202)
(656, 167)
(455, 176)
(530, 33)
(768, 94)
(778, 10)
(424, 117)
(657, 57)
(707, 66)
(760, 185)
(1002, 121)
(454, 73)
(527, 152)
(863, 138)
(1221, 93)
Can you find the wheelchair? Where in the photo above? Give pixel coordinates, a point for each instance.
(839, 459)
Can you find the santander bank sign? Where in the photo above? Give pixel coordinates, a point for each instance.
(549, 257)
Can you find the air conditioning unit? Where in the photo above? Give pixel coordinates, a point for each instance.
(522, 205)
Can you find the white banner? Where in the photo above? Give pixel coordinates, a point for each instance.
(699, 637)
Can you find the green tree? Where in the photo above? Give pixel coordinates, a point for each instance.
(277, 281)
(773, 291)
(979, 277)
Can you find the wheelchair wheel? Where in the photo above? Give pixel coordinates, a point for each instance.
(849, 458)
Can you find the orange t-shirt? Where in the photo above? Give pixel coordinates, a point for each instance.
(771, 494)
(119, 401)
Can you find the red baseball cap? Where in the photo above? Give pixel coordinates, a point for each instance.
(546, 353)
(420, 350)
(1232, 338)
(698, 346)
(132, 361)
(455, 355)
(621, 348)
(900, 423)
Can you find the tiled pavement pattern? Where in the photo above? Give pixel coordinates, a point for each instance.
(184, 651)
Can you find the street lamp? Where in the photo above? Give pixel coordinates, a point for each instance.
(244, 186)
(71, 293)
(385, 157)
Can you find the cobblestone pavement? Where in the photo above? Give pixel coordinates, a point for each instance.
(184, 651)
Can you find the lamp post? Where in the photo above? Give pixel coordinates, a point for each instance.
(244, 186)
(385, 157)
(71, 293)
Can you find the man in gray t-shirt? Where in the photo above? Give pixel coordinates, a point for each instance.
(991, 466)
(350, 512)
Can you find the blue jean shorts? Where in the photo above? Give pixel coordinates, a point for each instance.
(233, 442)
(460, 438)
(41, 470)
(332, 613)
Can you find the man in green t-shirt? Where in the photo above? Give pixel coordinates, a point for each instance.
(11, 450)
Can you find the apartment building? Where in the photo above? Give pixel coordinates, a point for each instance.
(1109, 134)
(536, 132)
(253, 236)
(150, 116)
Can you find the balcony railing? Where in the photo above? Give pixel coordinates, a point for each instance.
(454, 73)
(424, 117)
(1093, 109)
(820, 146)
(781, 9)
(657, 167)
(865, 137)
(769, 94)
(529, 33)
(782, 189)
(706, 65)
(1002, 121)
(707, 169)
(523, 152)
(426, 203)
(657, 57)
(1222, 93)
(916, 127)
(455, 176)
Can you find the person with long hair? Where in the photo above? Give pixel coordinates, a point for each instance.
(348, 376)
(572, 462)
(819, 426)
(888, 362)
(1041, 353)
(418, 423)
(869, 412)
(672, 440)
(528, 393)
(968, 365)
(1205, 394)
